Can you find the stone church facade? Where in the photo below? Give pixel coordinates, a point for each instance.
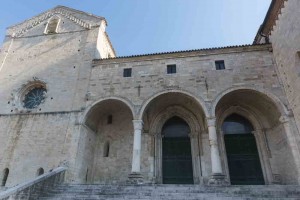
(225, 115)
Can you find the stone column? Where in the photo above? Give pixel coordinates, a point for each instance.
(195, 157)
(286, 122)
(217, 177)
(135, 177)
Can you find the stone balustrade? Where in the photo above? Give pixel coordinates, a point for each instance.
(34, 188)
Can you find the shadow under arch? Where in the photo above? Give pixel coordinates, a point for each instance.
(174, 111)
(264, 110)
(105, 133)
(263, 93)
(199, 100)
(93, 109)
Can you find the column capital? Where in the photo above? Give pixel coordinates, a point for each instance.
(213, 142)
(256, 132)
(211, 121)
(284, 119)
(138, 124)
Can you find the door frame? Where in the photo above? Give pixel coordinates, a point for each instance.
(260, 139)
(194, 135)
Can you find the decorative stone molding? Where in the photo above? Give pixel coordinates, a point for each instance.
(284, 119)
(17, 96)
(218, 180)
(277, 179)
(261, 133)
(138, 124)
(195, 129)
(19, 31)
(265, 93)
(135, 178)
(211, 121)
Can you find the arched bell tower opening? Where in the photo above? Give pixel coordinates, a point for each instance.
(176, 152)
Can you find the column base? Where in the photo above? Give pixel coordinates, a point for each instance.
(135, 178)
(218, 180)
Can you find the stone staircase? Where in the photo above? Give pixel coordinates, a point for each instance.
(170, 192)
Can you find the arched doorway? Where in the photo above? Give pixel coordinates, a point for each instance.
(155, 114)
(176, 152)
(242, 153)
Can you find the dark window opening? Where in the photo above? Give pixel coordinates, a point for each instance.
(127, 72)
(34, 97)
(5, 176)
(171, 69)
(86, 175)
(52, 26)
(106, 150)
(40, 171)
(220, 65)
(109, 119)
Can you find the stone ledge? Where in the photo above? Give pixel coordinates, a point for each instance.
(21, 189)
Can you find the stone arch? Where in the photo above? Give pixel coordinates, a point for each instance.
(198, 99)
(280, 106)
(88, 111)
(265, 111)
(162, 117)
(106, 120)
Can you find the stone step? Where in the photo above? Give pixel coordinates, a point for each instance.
(153, 198)
(195, 191)
(171, 192)
(154, 193)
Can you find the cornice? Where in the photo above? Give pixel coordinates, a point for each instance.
(270, 20)
(186, 53)
(19, 29)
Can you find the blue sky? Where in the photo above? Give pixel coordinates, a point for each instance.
(148, 26)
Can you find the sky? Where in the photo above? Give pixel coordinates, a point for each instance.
(149, 26)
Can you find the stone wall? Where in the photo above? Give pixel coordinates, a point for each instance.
(29, 142)
(71, 126)
(46, 136)
(285, 41)
(246, 68)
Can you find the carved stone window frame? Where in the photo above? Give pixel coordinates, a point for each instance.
(25, 89)
(55, 17)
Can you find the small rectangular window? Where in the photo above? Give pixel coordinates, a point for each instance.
(109, 119)
(127, 72)
(171, 69)
(220, 65)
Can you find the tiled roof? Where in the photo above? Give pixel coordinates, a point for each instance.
(270, 19)
(186, 51)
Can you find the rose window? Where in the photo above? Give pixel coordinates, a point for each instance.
(34, 98)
